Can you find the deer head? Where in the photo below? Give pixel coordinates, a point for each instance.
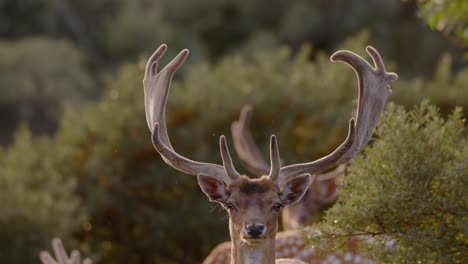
(254, 204)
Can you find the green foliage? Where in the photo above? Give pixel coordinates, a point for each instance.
(410, 188)
(450, 17)
(33, 68)
(35, 81)
(37, 199)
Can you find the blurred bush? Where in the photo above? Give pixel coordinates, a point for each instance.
(450, 17)
(141, 209)
(20, 18)
(37, 198)
(407, 191)
(110, 31)
(38, 76)
(138, 27)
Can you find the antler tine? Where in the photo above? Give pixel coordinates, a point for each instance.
(152, 64)
(379, 64)
(156, 88)
(75, 257)
(373, 93)
(59, 250)
(274, 159)
(246, 149)
(227, 161)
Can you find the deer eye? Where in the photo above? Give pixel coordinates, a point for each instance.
(230, 206)
(277, 207)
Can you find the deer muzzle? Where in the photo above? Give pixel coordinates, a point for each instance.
(254, 230)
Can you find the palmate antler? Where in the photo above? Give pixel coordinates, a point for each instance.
(373, 93)
(374, 90)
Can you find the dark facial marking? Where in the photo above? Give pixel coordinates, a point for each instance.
(253, 188)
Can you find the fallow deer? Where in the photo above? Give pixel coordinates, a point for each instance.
(295, 216)
(61, 256)
(253, 205)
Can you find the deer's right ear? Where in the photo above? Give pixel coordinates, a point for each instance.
(215, 190)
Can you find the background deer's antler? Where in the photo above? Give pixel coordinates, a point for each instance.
(245, 146)
(61, 255)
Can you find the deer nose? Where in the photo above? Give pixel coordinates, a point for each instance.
(256, 230)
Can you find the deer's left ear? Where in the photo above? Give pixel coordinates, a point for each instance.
(294, 189)
(215, 190)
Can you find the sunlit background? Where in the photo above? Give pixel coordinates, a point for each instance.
(76, 160)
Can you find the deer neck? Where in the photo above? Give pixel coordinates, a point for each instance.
(262, 252)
